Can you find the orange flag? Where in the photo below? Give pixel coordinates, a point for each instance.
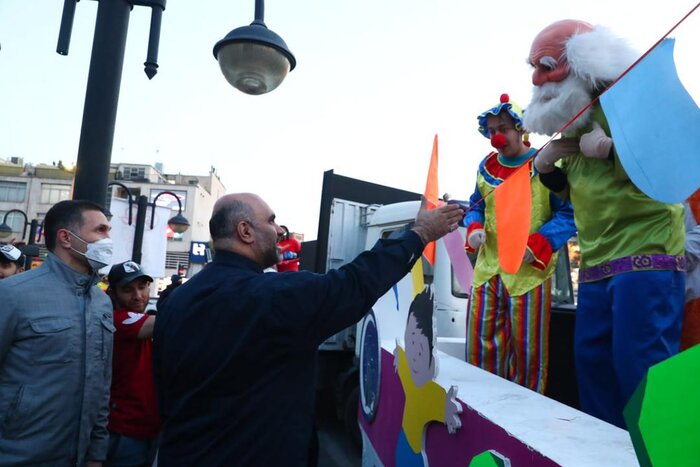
(513, 200)
(431, 194)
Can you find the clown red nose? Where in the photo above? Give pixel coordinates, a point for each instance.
(498, 141)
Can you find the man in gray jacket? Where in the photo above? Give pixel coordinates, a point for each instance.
(56, 347)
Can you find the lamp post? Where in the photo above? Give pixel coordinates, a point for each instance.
(242, 50)
(31, 250)
(178, 223)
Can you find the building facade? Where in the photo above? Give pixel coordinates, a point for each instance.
(33, 189)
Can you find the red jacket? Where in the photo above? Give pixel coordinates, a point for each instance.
(289, 249)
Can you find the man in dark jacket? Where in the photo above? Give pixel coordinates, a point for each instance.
(234, 349)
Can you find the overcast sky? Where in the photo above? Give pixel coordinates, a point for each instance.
(375, 80)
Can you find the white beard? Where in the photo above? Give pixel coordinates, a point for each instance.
(554, 104)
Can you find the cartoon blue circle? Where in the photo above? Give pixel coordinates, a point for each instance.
(370, 366)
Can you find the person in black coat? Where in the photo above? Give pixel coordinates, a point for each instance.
(235, 349)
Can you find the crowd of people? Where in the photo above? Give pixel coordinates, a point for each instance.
(225, 372)
(79, 368)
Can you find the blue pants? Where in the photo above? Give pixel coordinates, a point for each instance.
(624, 325)
(405, 457)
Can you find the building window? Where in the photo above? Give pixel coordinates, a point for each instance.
(52, 193)
(134, 173)
(12, 191)
(15, 220)
(121, 193)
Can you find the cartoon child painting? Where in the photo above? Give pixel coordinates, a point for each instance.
(426, 401)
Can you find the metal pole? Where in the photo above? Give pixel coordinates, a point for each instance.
(32, 250)
(101, 100)
(142, 206)
(151, 65)
(259, 11)
(66, 27)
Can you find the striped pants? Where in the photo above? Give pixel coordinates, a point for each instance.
(509, 336)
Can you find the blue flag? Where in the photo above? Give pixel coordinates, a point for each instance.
(655, 126)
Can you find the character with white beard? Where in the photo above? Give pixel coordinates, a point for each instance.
(631, 282)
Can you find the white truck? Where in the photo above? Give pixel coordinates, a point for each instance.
(354, 215)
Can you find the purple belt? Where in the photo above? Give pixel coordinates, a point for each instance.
(632, 263)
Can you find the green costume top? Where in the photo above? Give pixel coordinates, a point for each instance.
(614, 218)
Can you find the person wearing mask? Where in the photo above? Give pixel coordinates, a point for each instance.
(56, 346)
(632, 278)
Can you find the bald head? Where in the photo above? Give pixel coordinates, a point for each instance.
(244, 224)
(228, 211)
(548, 51)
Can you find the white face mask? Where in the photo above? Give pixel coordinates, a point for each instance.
(98, 253)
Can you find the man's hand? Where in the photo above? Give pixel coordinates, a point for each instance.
(553, 151)
(596, 144)
(435, 223)
(476, 238)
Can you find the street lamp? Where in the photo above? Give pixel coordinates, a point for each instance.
(31, 250)
(253, 58)
(254, 43)
(178, 223)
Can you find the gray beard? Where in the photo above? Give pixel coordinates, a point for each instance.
(554, 104)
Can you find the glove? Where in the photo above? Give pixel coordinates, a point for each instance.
(476, 238)
(596, 144)
(553, 151)
(528, 257)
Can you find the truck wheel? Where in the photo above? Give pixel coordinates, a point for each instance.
(350, 417)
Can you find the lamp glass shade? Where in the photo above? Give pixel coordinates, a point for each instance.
(251, 67)
(5, 230)
(179, 224)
